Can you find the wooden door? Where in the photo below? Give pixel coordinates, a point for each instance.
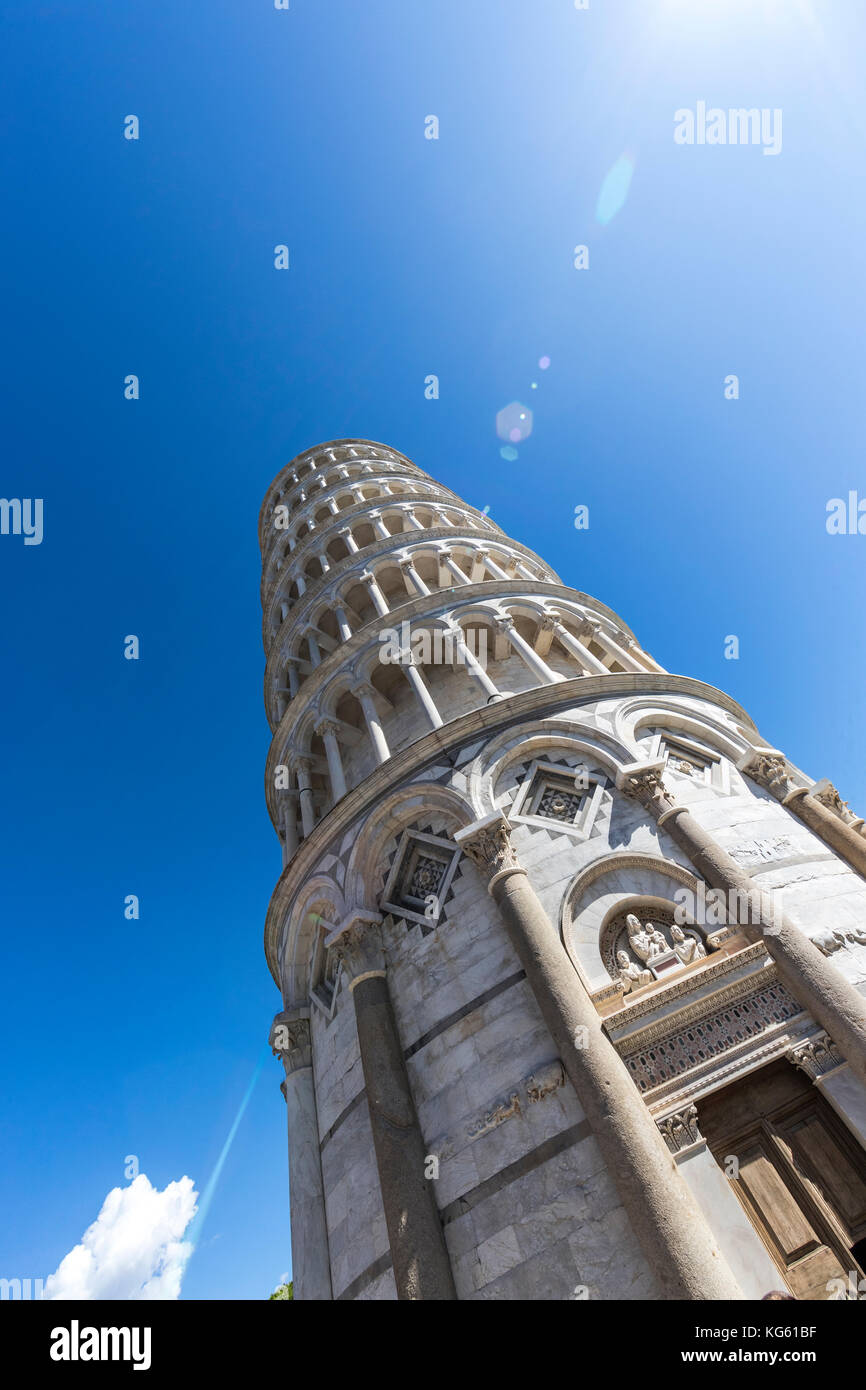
(798, 1171)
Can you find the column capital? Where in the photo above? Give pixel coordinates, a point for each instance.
(358, 944)
(680, 1130)
(487, 842)
(589, 627)
(816, 1056)
(826, 793)
(299, 762)
(644, 781)
(548, 622)
(326, 726)
(291, 1041)
(406, 563)
(769, 768)
(503, 623)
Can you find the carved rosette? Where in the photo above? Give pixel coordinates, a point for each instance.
(489, 846)
(358, 946)
(680, 1130)
(816, 1056)
(291, 1041)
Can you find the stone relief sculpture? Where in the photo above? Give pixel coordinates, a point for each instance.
(630, 973)
(688, 948)
(651, 955)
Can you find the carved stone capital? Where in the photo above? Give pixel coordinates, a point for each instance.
(327, 726)
(816, 1056)
(588, 629)
(299, 762)
(488, 844)
(358, 945)
(548, 623)
(680, 1130)
(645, 782)
(504, 623)
(828, 796)
(768, 768)
(291, 1041)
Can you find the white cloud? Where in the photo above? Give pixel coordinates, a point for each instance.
(134, 1249)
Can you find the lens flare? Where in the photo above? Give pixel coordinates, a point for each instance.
(614, 189)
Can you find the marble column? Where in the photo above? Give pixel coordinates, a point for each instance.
(466, 657)
(422, 694)
(415, 583)
(327, 730)
(822, 813)
(832, 1000)
(301, 766)
(290, 1040)
(820, 1060)
(739, 1242)
(539, 668)
(596, 633)
(678, 1244)
(578, 650)
(380, 603)
(422, 1269)
(351, 544)
(364, 695)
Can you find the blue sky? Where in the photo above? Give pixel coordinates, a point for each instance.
(408, 257)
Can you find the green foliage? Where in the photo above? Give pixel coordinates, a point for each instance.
(284, 1291)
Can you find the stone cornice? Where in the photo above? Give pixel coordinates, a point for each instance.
(542, 701)
(427, 605)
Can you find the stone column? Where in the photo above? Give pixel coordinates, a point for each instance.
(740, 1243)
(301, 766)
(676, 1240)
(467, 658)
(597, 633)
(414, 578)
(422, 1269)
(290, 826)
(422, 694)
(327, 730)
(414, 523)
(342, 622)
(379, 526)
(831, 999)
(379, 601)
(313, 645)
(539, 668)
(311, 1265)
(491, 565)
(364, 695)
(822, 1062)
(578, 650)
(447, 561)
(351, 544)
(823, 813)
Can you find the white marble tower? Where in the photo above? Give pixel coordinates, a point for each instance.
(545, 911)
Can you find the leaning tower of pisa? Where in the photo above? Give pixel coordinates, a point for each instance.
(571, 959)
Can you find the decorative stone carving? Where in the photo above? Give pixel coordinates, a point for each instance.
(647, 786)
(290, 1040)
(663, 1054)
(544, 1081)
(830, 798)
(816, 1056)
(358, 946)
(829, 940)
(558, 804)
(630, 974)
(680, 1130)
(689, 948)
(646, 941)
(488, 845)
(764, 850)
(771, 771)
(327, 726)
(500, 1111)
